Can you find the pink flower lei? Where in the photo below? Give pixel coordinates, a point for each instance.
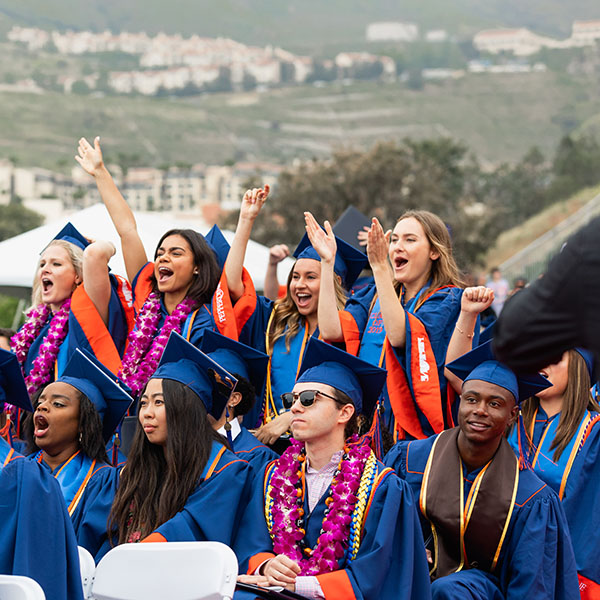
(287, 513)
(144, 350)
(43, 364)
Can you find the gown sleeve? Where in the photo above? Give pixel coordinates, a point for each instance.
(391, 562)
(539, 530)
(36, 536)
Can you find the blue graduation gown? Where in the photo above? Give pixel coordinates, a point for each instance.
(36, 536)
(211, 513)
(428, 332)
(390, 563)
(536, 560)
(73, 476)
(7, 453)
(576, 478)
(248, 447)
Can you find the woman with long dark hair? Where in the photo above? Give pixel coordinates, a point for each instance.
(180, 482)
(282, 329)
(563, 444)
(172, 293)
(73, 419)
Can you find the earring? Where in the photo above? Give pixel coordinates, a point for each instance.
(196, 272)
(80, 436)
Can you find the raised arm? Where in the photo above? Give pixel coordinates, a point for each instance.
(392, 311)
(96, 280)
(325, 245)
(252, 202)
(473, 302)
(134, 254)
(277, 253)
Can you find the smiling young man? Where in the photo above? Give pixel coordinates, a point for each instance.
(332, 521)
(496, 530)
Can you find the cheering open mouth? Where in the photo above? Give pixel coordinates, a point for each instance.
(41, 426)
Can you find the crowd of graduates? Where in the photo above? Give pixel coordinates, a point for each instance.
(349, 437)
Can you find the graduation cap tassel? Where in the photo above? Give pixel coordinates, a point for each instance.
(228, 427)
(373, 437)
(523, 439)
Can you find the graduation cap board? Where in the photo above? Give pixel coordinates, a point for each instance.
(92, 379)
(349, 262)
(69, 233)
(216, 240)
(481, 364)
(183, 362)
(361, 381)
(12, 385)
(349, 224)
(237, 358)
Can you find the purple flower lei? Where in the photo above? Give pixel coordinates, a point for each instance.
(144, 350)
(43, 365)
(287, 512)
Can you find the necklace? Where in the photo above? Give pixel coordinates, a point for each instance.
(144, 349)
(43, 364)
(346, 504)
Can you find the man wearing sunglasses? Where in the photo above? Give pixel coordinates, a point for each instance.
(329, 520)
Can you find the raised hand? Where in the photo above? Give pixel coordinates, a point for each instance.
(476, 299)
(362, 236)
(278, 253)
(377, 244)
(90, 157)
(252, 202)
(322, 241)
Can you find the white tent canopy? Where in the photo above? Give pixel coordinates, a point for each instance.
(19, 255)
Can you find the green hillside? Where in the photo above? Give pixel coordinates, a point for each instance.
(506, 115)
(298, 23)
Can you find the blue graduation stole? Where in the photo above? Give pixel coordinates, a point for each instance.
(555, 474)
(73, 476)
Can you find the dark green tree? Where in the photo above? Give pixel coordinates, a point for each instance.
(16, 219)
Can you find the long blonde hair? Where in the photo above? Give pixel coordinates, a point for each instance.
(75, 255)
(577, 398)
(444, 270)
(285, 314)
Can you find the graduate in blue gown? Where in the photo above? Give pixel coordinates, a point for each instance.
(74, 418)
(249, 367)
(281, 329)
(495, 529)
(77, 303)
(353, 530)
(13, 392)
(402, 323)
(36, 536)
(563, 426)
(180, 482)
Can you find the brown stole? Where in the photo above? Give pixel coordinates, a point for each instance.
(467, 534)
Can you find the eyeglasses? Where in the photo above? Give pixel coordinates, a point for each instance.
(307, 398)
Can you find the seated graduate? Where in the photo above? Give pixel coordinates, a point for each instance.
(332, 521)
(74, 418)
(497, 530)
(13, 394)
(36, 536)
(180, 483)
(249, 367)
(563, 427)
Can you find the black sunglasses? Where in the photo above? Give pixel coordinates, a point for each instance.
(307, 398)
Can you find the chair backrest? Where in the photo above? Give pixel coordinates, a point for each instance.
(15, 587)
(176, 570)
(87, 566)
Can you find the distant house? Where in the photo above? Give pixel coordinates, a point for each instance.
(520, 42)
(392, 31)
(586, 32)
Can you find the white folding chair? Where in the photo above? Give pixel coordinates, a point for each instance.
(15, 587)
(176, 570)
(87, 566)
